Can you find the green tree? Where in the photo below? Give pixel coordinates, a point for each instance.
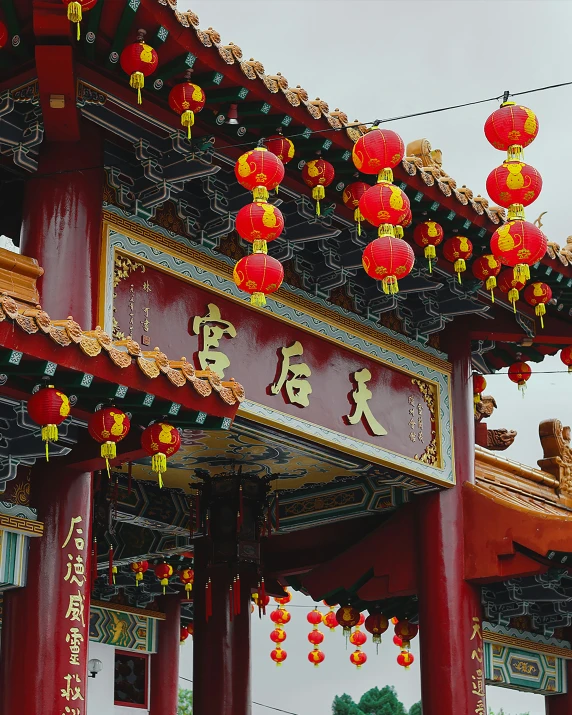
(344, 705)
(185, 706)
(381, 702)
(416, 709)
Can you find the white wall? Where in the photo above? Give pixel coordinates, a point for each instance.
(100, 688)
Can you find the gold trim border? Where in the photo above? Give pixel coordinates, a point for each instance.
(21, 526)
(503, 639)
(120, 608)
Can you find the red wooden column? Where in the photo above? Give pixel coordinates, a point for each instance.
(45, 628)
(452, 668)
(561, 704)
(165, 662)
(61, 225)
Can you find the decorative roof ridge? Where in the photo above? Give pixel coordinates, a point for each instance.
(516, 468)
(525, 635)
(122, 353)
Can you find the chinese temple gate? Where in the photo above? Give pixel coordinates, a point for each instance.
(209, 450)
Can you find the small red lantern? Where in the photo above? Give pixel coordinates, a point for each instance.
(316, 657)
(330, 620)
(384, 204)
(388, 259)
(108, 426)
(520, 373)
(511, 124)
(376, 624)
(187, 577)
(377, 150)
(566, 357)
(163, 572)
(258, 223)
(315, 617)
(259, 171)
(184, 634)
(428, 235)
(318, 174)
(282, 147)
(278, 655)
(479, 386)
(510, 285)
(278, 635)
(139, 60)
(139, 568)
(405, 659)
(315, 637)
(538, 295)
(48, 407)
(76, 8)
(351, 198)
(358, 658)
(514, 182)
(160, 440)
(260, 275)
(519, 244)
(486, 268)
(361, 619)
(280, 616)
(406, 631)
(347, 617)
(397, 641)
(358, 638)
(3, 35)
(458, 250)
(187, 99)
(283, 600)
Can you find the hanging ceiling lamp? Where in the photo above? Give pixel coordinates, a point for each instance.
(318, 174)
(486, 268)
(538, 295)
(187, 99)
(428, 234)
(76, 8)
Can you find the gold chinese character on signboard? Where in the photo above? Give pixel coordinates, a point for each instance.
(78, 569)
(361, 398)
(480, 709)
(79, 542)
(212, 328)
(74, 638)
(75, 608)
(477, 655)
(294, 376)
(72, 692)
(476, 629)
(478, 684)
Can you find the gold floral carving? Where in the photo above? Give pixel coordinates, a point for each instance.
(430, 456)
(123, 268)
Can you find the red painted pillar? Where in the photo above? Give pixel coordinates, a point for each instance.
(561, 704)
(61, 226)
(45, 629)
(452, 668)
(165, 662)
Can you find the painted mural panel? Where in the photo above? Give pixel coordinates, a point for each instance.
(128, 631)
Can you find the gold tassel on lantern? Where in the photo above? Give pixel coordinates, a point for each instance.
(540, 311)
(260, 193)
(137, 81)
(386, 175)
(108, 451)
(259, 246)
(430, 255)
(74, 15)
(164, 583)
(358, 218)
(521, 273)
(159, 465)
(460, 267)
(258, 299)
(390, 285)
(138, 577)
(399, 232)
(513, 296)
(318, 194)
(49, 434)
(188, 120)
(188, 589)
(491, 284)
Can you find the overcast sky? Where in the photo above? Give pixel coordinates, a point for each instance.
(381, 59)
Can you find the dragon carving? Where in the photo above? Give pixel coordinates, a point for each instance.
(494, 439)
(555, 440)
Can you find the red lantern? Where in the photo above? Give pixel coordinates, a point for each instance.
(160, 440)
(330, 619)
(259, 171)
(376, 624)
(282, 147)
(283, 600)
(384, 204)
(48, 407)
(187, 577)
(76, 8)
(280, 616)
(258, 223)
(358, 658)
(486, 268)
(108, 426)
(184, 634)
(514, 182)
(405, 659)
(347, 617)
(519, 244)
(566, 357)
(388, 259)
(358, 638)
(139, 568)
(510, 285)
(458, 250)
(397, 641)
(361, 619)
(315, 637)
(479, 386)
(187, 99)
(511, 124)
(351, 198)
(377, 150)
(520, 373)
(139, 60)
(538, 295)
(278, 655)
(260, 275)
(278, 635)
(316, 657)
(163, 572)
(406, 631)
(3, 35)
(318, 174)
(315, 617)
(428, 235)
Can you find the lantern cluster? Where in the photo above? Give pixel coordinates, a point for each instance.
(316, 637)
(280, 617)
(405, 631)
(388, 258)
(259, 222)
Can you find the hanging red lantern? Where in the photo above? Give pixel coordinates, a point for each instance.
(3, 35)
(316, 657)
(261, 601)
(139, 568)
(347, 617)
(315, 617)
(479, 386)
(376, 624)
(384, 204)
(519, 244)
(361, 619)
(510, 285)
(76, 8)
(318, 174)
(48, 408)
(258, 223)
(378, 150)
(278, 655)
(388, 259)
(406, 631)
(278, 635)
(108, 426)
(405, 659)
(358, 658)
(139, 60)
(397, 641)
(458, 250)
(191, 629)
(187, 578)
(358, 638)
(511, 125)
(538, 295)
(163, 572)
(280, 616)
(520, 372)
(184, 634)
(566, 357)
(486, 268)
(187, 99)
(330, 620)
(514, 182)
(260, 275)
(351, 198)
(160, 440)
(315, 637)
(428, 235)
(282, 147)
(259, 171)
(283, 600)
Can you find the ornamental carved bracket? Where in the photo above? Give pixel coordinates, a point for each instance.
(555, 440)
(495, 439)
